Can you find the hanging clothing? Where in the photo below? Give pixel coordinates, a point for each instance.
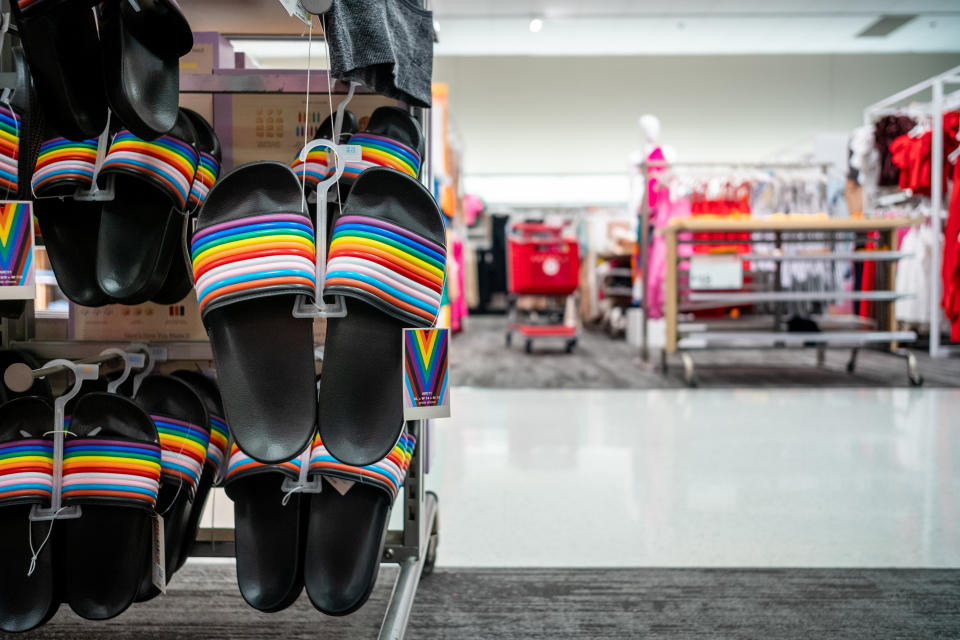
(913, 276)
(886, 130)
(951, 259)
(385, 44)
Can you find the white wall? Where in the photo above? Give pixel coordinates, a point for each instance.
(563, 115)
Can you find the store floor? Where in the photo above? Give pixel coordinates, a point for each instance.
(479, 358)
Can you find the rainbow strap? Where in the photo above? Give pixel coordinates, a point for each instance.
(387, 265)
(315, 167)
(273, 251)
(388, 474)
(241, 465)
(380, 151)
(64, 162)
(26, 471)
(219, 437)
(207, 173)
(184, 448)
(170, 162)
(9, 149)
(96, 469)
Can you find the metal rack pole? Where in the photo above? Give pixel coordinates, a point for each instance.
(644, 258)
(936, 207)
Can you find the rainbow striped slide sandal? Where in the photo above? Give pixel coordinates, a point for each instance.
(348, 525)
(61, 43)
(393, 139)
(179, 282)
(111, 468)
(183, 425)
(70, 227)
(26, 479)
(143, 42)
(253, 256)
(316, 168)
(269, 530)
(140, 228)
(388, 257)
(206, 388)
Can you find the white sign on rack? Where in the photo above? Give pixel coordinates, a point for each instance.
(716, 272)
(295, 8)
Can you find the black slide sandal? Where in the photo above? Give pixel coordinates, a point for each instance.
(216, 454)
(142, 46)
(392, 139)
(388, 256)
(61, 43)
(70, 228)
(183, 426)
(179, 281)
(253, 255)
(269, 531)
(348, 525)
(112, 471)
(140, 228)
(26, 479)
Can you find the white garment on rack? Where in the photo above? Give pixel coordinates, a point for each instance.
(913, 276)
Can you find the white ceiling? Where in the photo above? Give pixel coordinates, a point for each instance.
(488, 8)
(633, 27)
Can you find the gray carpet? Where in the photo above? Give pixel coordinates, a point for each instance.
(583, 603)
(479, 358)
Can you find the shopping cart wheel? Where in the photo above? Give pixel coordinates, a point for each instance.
(509, 339)
(528, 347)
(570, 345)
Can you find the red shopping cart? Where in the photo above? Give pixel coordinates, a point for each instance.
(543, 274)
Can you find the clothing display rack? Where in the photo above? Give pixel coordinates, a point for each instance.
(644, 214)
(940, 103)
(414, 546)
(683, 338)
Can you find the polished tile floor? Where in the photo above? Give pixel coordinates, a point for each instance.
(751, 478)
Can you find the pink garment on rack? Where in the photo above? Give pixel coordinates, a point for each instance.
(458, 302)
(655, 191)
(665, 211)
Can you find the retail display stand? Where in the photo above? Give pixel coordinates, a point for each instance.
(684, 338)
(413, 547)
(939, 104)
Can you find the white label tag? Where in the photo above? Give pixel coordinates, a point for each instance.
(351, 152)
(342, 486)
(716, 272)
(159, 563)
(295, 9)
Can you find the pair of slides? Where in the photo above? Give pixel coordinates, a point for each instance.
(111, 469)
(87, 55)
(392, 138)
(329, 542)
(130, 249)
(253, 257)
(125, 463)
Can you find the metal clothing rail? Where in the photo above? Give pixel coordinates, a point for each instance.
(644, 216)
(935, 109)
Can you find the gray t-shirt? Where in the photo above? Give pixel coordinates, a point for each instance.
(385, 44)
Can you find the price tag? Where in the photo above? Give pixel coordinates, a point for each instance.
(158, 572)
(295, 9)
(352, 152)
(716, 272)
(426, 391)
(17, 264)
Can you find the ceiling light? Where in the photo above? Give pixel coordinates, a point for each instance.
(536, 25)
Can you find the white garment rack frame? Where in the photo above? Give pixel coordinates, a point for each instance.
(939, 104)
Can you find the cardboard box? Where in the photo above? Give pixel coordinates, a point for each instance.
(211, 51)
(271, 127)
(140, 323)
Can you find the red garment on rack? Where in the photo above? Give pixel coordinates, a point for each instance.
(951, 259)
(912, 155)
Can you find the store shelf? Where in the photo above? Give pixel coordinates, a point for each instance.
(77, 349)
(702, 223)
(796, 296)
(758, 339)
(762, 322)
(617, 291)
(849, 256)
(259, 81)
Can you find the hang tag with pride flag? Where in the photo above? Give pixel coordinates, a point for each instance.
(17, 265)
(426, 388)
